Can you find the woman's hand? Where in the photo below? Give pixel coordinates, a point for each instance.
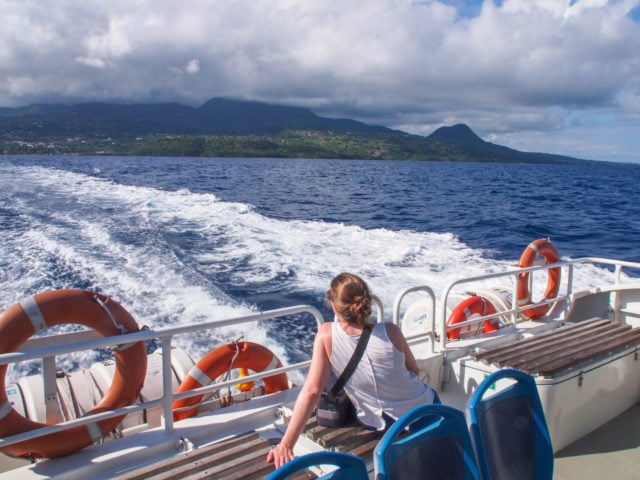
(307, 399)
(280, 455)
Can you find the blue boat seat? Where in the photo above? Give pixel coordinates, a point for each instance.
(437, 446)
(508, 428)
(349, 466)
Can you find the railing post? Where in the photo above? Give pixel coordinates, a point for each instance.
(379, 310)
(569, 290)
(443, 313)
(50, 389)
(515, 312)
(615, 301)
(167, 395)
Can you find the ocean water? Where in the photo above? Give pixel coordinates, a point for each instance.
(180, 240)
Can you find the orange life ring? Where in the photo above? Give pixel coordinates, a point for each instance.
(538, 248)
(217, 362)
(107, 317)
(475, 305)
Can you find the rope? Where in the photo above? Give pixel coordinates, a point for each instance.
(227, 400)
(119, 326)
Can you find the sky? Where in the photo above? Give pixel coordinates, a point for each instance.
(554, 76)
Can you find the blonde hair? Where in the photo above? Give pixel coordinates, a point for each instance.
(351, 298)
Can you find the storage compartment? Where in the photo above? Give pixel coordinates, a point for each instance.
(583, 382)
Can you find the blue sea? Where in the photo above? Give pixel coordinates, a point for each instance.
(180, 240)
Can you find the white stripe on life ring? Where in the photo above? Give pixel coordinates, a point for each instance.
(200, 377)
(34, 313)
(5, 409)
(535, 248)
(273, 364)
(524, 301)
(94, 431)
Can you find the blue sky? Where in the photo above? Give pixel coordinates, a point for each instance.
(468, 8)
(557, 76)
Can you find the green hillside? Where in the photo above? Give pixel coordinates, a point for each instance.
(233, 128)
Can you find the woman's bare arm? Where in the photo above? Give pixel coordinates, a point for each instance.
(398, 340)
(307, 399)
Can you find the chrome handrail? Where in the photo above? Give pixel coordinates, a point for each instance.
(165, 335)
(396, 310)
(515, 310)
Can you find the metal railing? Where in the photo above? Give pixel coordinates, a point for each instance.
(430, 333)
(515, 311)
(47, 348)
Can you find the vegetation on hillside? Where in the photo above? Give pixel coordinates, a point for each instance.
(234, 128)
(289, 144)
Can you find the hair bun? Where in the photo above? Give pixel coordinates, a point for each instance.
(351, 298)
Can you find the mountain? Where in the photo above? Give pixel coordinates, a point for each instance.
(459, 134)
(463, 138)
(219, 116)
(226, 116)
(228, 127)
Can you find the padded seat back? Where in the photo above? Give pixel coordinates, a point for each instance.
(430, 441)
(508, 428)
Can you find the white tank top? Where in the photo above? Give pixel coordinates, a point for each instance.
(381, 382)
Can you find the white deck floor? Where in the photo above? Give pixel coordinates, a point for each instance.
(612, 451)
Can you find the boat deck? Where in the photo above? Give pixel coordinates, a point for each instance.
(612, 451)
(563, 349)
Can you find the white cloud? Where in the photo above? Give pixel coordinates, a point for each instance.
(507, 68)
(192, 67)
(92, 62)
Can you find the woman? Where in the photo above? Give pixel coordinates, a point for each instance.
(384, 385)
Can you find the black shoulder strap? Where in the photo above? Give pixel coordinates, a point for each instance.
(353, 362)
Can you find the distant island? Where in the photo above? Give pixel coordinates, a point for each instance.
(224, 127)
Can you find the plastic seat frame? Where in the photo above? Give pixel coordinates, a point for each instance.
(442, 421)
(522, 385)
(349, 466)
